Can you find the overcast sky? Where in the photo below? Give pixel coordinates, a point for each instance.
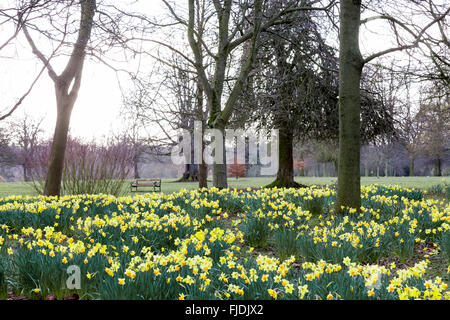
(99, 101)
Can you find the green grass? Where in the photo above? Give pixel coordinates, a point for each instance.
(16, 188)
(169, 186)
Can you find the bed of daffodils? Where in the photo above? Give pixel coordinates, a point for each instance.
(227, 244)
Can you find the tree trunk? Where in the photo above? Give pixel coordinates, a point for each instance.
(285, 173)
(325, 169)
(411, 166)
(258, 162)
(386, 167)
(203, 170)
(203, 175)
(437, 168)
(67, 86)
(220, 169)
(136, 167)
(25, 172)
(301, 171)
(202, 167)
(220, 176)
(59, 144)
(191, 173)
(366, 170)
(350, 69)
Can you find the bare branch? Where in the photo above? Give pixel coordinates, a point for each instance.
(14, 108)
(416, 42)
(40, 55)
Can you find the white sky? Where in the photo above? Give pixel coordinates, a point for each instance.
(99, 100)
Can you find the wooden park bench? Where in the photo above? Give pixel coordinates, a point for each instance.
(146, 183)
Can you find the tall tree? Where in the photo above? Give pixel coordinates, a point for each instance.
(294, 85)
(294, 88)
(67, 86)
(218, 118)
(171, 103)
(76, 29)
(351, 63)
(234, 28)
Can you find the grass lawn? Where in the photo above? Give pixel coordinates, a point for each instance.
(16, 188)
(169, 186)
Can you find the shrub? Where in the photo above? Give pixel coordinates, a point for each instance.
(89, 168)
(237, 170)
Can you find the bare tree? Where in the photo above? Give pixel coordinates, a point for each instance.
(237, 23)
(26, 133)
(99, 28)
(410, 131)
(174, 102)
(434, 116)
(7, 154)
(134, 131)
(218, 118)
(67, 86)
